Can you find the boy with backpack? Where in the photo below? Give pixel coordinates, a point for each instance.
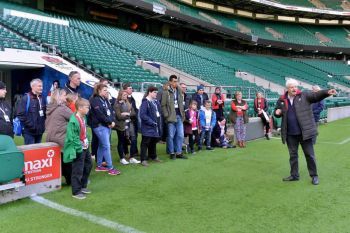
(31, 111)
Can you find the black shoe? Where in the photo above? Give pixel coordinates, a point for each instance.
(181, 156)
(290, 178)
(315, 180)
(172, 156)
(267, 137)
(210, 148)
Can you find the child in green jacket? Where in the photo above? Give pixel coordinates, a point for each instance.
(76, 149)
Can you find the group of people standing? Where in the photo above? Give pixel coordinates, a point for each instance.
(66, 117)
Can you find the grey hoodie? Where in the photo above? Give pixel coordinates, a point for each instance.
(57, 117)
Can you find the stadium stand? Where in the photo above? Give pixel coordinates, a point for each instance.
(8, 39)
(332, 67)
(291, 33)
(329, 4)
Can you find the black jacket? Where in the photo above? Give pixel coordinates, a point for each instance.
(6, 127)
(302, 103)
(215, 134)
(99, 108)
(33, 123)
(197, 98)
(70, 89)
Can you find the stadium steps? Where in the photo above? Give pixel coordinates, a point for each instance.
(187, 59)
(11, 39)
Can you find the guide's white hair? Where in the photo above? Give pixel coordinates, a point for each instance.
(291, 81)
(316, 88)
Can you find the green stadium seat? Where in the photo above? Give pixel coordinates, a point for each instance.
(11, 160)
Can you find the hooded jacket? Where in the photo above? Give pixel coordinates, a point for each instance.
(202, 120)
(57, 118)
(303, 111)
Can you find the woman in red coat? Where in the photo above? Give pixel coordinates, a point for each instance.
(218, 102)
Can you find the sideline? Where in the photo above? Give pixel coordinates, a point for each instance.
(92, 218)
(325, 142)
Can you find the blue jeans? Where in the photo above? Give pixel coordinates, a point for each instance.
(175, 136)
(205, 134)
(104, 146)
(32, 139)
(133, 146)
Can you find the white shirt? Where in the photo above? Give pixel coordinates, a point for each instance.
(291, 99)
(222, 130)
(208, 114)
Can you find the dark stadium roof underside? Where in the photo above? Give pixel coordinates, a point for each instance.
(265, 9)
(145, 9)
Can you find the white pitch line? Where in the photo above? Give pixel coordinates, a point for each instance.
(325, 142)
(92, 218)
(344, 141)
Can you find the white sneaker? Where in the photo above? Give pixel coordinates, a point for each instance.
(134, 161)
(124, 162)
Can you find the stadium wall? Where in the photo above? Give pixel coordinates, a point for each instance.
(334, 114)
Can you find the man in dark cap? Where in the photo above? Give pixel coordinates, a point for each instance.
(200, 96)
(6, 127)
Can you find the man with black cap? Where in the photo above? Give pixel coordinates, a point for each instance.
(6, 127)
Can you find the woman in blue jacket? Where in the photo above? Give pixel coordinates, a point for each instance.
(151, 125)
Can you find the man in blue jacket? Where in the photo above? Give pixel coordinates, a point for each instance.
(32, 113)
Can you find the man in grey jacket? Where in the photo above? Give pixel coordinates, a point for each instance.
(298, 126)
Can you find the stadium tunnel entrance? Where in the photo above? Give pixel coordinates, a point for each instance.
(17, 79)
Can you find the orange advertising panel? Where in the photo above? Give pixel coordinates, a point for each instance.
(42, 164)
